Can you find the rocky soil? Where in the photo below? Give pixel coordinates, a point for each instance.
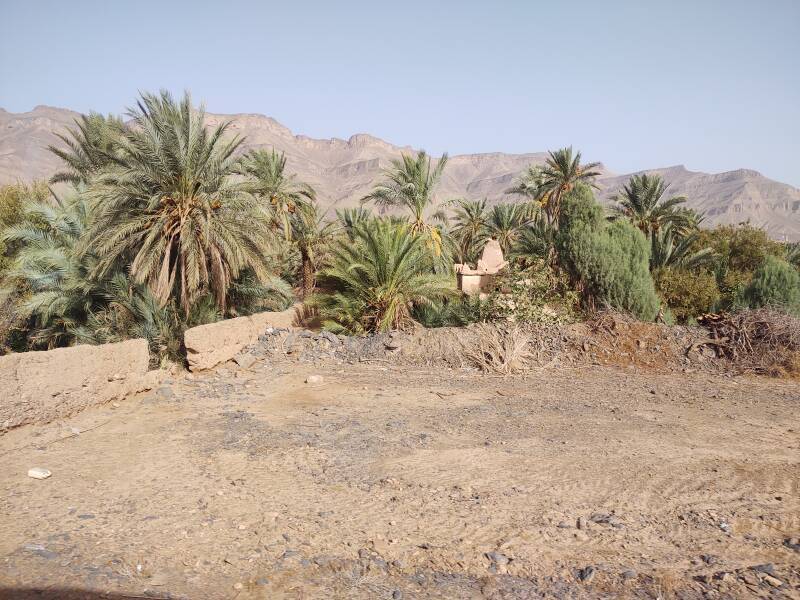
(317, 467)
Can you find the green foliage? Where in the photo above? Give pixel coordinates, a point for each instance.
(738, 251)
(312, 236)
(131, 311)
(688, 294)
(671, 249)
(469, 229)
(775, 283)
(350, 218)
(455, 312)
(60, 291)
(377, 278)
(248, 294)
(642, 202)
(170, 209)
(536, 241)
(156, 236)
(560, 174)
(507, 223)
(537, 294)
(409, 184)
(280, 193)
(793, 254)
(742, 247)
(608, 262)
(13, 199)
(92, 145)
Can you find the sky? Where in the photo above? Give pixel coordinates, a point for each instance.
(710, 84)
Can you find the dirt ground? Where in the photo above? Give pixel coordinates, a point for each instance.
(389, 482)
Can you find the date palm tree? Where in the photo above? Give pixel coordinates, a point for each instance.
(469, 228)
(90, 146)
(62, 292)
(560, 174)
(312, 235)
(410, 184)
(350, 218)
(268, 180)
(378, 278)
(507, 223)
(642, 202)
(529, 184)
(670, 248)
(171, 210)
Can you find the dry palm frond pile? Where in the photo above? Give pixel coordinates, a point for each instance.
(499, 350)
(765, 340)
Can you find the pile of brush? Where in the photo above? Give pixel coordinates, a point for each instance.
(763, 340)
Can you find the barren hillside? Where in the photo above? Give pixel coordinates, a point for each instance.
(342, 171)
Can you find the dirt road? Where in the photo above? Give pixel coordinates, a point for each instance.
(382, 482)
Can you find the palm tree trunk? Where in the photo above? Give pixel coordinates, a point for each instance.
(307, 275)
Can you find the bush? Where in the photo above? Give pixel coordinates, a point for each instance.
(608, 262)
(775, 283)
(687, 293)
(536, 294)
(456, 312)
(740, 247)
(13, 199)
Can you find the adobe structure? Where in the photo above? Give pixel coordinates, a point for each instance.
(477, 281)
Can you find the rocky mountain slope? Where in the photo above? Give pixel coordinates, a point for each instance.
(343, 171)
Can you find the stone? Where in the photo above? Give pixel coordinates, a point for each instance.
(792, 543)
(397, 595)
(586, 574)
(606, 519)
(582, 523)
(767, 568)
(629, 574)
(314, 379)
(332, 338)
(773, 581)
(563, 525)
(244, 360)
(40, 550)
(39, 473)
(498, 558)
(238, 585)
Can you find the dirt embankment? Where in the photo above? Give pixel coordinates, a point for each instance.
(609, 341)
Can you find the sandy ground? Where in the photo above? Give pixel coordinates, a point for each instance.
(386, 483)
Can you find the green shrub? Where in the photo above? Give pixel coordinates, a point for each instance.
(13, 199)
(742, 247)
(536, 294)
(456, 312)
(607, 262)
(775, 283)
(687, 293)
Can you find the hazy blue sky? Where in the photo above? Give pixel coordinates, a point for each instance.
(714, 85)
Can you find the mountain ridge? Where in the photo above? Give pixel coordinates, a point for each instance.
(344, 170)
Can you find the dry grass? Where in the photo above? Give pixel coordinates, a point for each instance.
(764, 340)
(496, 350)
